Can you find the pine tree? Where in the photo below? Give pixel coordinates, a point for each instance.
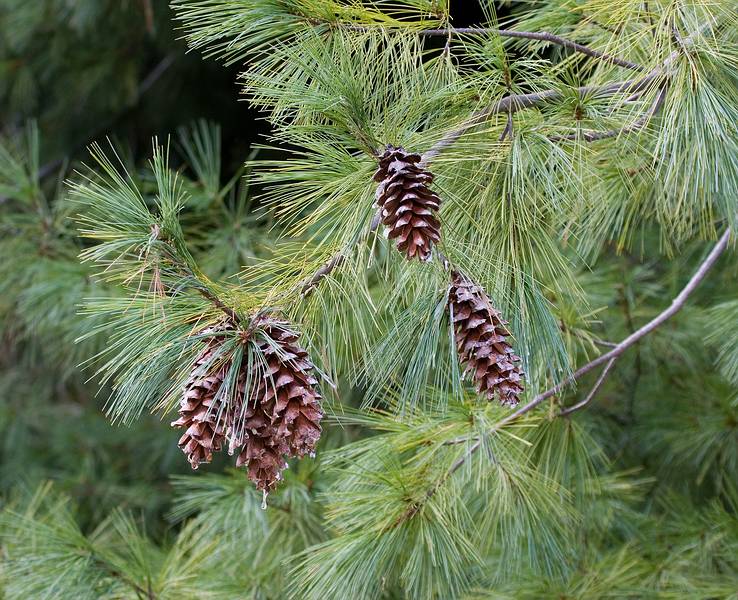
(565, 172)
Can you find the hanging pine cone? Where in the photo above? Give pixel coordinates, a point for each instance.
(201, 410)
(282, 417)
(481, 341)
(408, 205)
(272, 414)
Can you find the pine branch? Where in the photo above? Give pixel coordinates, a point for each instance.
(181, 263)
(639, 123)
(510, 106)
(208, 294)
(676, 305)
(514, 103)
(338, 259)
(326, 269)
(232, 315)
(543, 36)
(415, 507)
(119, 575)
(609, 358)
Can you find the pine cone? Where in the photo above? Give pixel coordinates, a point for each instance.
(282, 417)
(273, 414)
(408, 205)
(481, 342)
(201, 410)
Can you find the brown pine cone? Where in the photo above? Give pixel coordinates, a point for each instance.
(408, 205)
(201, 410)
(283, 415)
(272, 414)
(481, 341)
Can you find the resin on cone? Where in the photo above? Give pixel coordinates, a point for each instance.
(272, 414)
(481, 341)
(408, 206)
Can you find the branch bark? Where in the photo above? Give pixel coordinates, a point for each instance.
(218, 303)
(592, 393)
(326, 269)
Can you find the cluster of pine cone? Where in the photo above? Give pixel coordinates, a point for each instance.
(271, 413)
(408, 210)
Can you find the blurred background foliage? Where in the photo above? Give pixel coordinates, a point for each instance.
(86, 69)
(71, 72)
(633, 497)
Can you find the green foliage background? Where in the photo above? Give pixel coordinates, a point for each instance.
(417, 490)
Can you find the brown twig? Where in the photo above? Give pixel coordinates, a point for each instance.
(593, 392)
(326, 269)
(181, 264)
(605, 343)
(208, 295)
(508, 128)
(542, 36)
(639, 123)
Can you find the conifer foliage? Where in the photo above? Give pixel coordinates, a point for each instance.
(528, 390)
